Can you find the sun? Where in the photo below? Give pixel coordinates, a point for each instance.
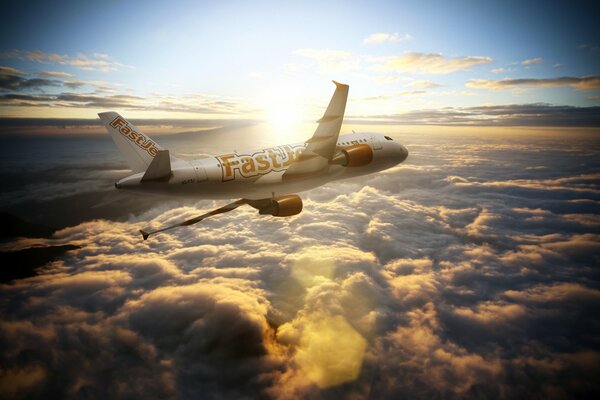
(284, 121)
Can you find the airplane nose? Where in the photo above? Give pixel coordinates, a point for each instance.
(402, 153)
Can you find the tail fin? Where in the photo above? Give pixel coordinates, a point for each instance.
(137, 149)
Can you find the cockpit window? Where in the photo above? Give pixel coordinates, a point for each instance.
(388, 138)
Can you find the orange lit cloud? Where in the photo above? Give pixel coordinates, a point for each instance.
(430, 63)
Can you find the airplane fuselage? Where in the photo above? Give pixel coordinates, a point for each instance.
(260, 174)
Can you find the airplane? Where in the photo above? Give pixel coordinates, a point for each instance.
(266, 179)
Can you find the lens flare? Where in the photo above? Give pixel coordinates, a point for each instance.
(331, 351)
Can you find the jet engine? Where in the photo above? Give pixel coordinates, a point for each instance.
(282, 206)
(356, 155)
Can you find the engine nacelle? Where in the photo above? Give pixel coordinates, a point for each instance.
(283, 206)
(356, 155)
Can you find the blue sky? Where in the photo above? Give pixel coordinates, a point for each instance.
(192, 59)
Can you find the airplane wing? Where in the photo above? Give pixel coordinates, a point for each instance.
(280, 206)
(224, 209)
(320, 148)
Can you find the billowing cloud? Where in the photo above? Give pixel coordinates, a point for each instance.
(430, 63)
(578, 83)
(466, 272)
(376, 38)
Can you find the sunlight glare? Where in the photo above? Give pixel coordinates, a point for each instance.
(284, 121)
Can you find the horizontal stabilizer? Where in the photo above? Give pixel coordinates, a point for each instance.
(160, 167)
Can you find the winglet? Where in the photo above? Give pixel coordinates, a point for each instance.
(339, 85)
(144, 234)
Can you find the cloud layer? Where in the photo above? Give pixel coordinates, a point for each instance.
(468, 272)
(431, 63)
(578, 83)
(501, 115)
(95, 62)
(56, 90)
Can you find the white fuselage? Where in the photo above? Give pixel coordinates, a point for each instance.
(258, 174)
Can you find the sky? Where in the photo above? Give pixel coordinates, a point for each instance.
(468, 271)
(274, 60)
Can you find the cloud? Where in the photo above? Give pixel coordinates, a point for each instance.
(589, 47)
(73, 100)
(376, 38)
(531, 61)
(329, 61)
(560, 292)
(101, 99)
(56, 74)
(466, 272)
(500, 70)
(396, 94)
(500, 115)
(425, 84)
(429, 63)
(332, 61)
(74, 84)
(13, 79)
(577, 83)
(573, 183)
(543, 115)
(98, 84)
(8, 71)
(95, 62)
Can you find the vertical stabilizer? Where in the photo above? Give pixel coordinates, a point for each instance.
(137, 149)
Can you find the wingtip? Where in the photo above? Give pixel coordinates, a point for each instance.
(144, 234)
(339, 85)
(105, 115)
